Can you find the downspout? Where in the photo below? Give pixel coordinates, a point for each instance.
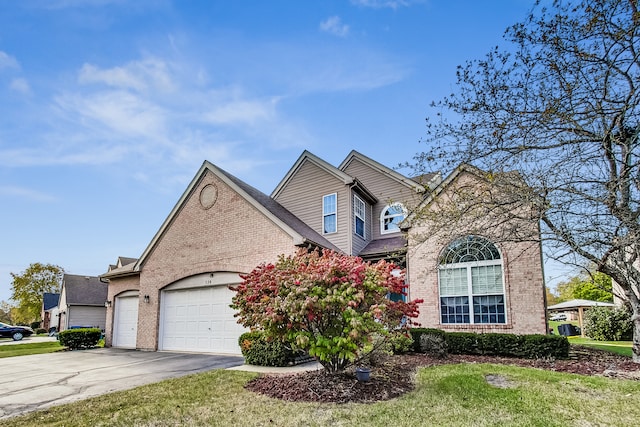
(350, 216)
(544, 283)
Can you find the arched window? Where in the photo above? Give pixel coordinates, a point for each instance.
(471, 283)
(390, 218)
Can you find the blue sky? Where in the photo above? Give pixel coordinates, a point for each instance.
(109, 107)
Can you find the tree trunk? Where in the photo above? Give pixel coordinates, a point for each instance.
(635, 349)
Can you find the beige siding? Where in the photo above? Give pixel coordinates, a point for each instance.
(385, 189)
(358, 242)
(86, 316)
(303, 194)
(231, 236)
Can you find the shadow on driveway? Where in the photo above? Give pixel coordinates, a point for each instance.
(38, 381)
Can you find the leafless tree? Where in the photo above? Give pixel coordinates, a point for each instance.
(560, 106)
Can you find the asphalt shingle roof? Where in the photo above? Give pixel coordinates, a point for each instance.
(282, 213)
(50, 300)
(84, 290)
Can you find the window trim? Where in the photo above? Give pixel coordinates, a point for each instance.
(334, 213)
(468, 266)
(357, 200)
(383, 217)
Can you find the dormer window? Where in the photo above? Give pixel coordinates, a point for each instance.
(359, 216)
(330, 213)
(390, 218)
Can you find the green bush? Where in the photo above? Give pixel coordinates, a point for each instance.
(429, 341)
(463, 343)
(400, 342)
(259, 350)
(80, 338)
(508, 345)
(605, 324)
(436, 342)
(41, 331)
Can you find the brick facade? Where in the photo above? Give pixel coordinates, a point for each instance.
(521, 265)
(222, 225)
(231, 236)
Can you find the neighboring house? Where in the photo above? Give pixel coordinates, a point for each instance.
(176, 295)
(82, 302)
(50, 310)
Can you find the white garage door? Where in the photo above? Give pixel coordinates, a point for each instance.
(199, 320)
(125, 322)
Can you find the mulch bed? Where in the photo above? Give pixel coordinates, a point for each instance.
(396, 376)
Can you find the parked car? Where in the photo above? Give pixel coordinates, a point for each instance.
(558, 317)
(15, 332)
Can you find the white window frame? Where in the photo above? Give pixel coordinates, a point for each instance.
(359, 211)
(383, 217)
(326, 214)
(469, 294)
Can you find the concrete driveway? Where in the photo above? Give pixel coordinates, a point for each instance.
(29, 383)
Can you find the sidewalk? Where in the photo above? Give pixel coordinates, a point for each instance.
(26, 340)
(310, 366)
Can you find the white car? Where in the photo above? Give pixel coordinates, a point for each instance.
(559, 317)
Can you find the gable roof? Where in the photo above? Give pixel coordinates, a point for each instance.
(346, 179)
(578, 303)
(50, 300)
(122, 261)
(84, 290)
(442, 185)
(300, 232)
(419, 187)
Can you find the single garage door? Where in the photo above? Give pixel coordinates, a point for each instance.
(125, 322)
(199, 320)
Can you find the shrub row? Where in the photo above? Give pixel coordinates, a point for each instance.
(80, 338)
(257, 349)
(438, 343)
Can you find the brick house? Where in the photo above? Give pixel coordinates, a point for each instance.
(176, 295)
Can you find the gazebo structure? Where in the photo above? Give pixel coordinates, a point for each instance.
(578, 305)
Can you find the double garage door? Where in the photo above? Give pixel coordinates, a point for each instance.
(199, 320)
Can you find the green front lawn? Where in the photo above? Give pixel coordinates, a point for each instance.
(26, 349)
(619, 347)
(448, 395)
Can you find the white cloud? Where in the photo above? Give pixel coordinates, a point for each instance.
(117, 111)
(334, 25)
(243, 111)
(26, 193)
(20, 85)
(63, 153)
(381, 4)
(65, 4)
(136, 75)
(7, 61)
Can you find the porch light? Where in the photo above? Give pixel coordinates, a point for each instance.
(107, 303)
(146, 299)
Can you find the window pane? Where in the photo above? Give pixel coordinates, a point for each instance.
(469, 249)
(488, 309)
(330, 224)
(358, 215)
(329, 204)
(453, 281)
(392, 216)
(394, 210)
(359, 227)
(486, 279)
(454, 310)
